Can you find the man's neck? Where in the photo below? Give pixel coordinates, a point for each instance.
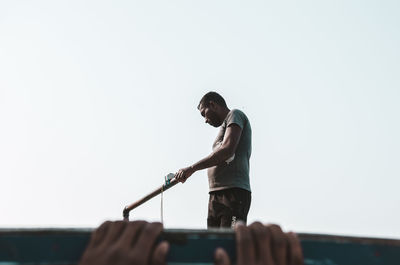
(224, 113)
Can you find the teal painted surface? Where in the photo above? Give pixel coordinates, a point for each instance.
(65, 246)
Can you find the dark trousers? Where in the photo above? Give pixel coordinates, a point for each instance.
(226, 207)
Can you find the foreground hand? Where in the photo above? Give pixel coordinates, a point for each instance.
(121, 243)
(259, 244)
(183, 174)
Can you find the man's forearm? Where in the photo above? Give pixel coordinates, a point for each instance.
(215, 158)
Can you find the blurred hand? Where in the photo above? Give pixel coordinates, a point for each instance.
(259, 244)
(122, 243)
(183, 174)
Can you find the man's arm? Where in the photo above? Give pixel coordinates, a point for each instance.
(225, 151)
(220, 155)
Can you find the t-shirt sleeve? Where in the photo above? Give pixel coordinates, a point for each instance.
(236, 117)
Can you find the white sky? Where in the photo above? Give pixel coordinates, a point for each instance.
(98, 102)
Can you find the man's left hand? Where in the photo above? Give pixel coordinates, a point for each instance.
(184, 173)
(121, 243)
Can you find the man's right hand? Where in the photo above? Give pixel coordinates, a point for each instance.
(259, 244)
(184, 173)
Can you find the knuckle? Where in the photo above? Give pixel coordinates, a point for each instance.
(275, 227)
(256, 225)
(104, 225)
(139, 222)
(279, 239)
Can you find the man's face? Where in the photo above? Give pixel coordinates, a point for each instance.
(210, 115)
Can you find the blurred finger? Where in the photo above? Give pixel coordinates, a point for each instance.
(262, 236)
(279, 245)
(114, 231)
(245, 249)
(160, 254)
(178, 176)
(145, 243)
(99, 234)
(221, 257)
(183, 178)
(131, 233)
(295, 254)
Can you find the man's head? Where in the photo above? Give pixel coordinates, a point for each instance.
(213, 108)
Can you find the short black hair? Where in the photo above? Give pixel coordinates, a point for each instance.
(212, 96)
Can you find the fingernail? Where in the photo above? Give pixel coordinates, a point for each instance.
(239, 223)
(219, 253)
(164, 246)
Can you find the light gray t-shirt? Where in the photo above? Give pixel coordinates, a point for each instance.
(234, 174)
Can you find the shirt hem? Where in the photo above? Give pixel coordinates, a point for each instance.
(227, 187)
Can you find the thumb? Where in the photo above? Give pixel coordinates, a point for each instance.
(221, 258)
(160, 254)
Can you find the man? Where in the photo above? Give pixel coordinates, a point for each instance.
(228, 164)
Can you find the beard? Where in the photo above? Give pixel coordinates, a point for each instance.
(215, 120)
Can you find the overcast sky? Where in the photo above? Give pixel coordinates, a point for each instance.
(98, 103)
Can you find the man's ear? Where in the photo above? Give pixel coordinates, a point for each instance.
(212, 105)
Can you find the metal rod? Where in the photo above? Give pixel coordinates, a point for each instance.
(151, 195)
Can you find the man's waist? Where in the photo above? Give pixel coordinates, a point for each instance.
(228, 189)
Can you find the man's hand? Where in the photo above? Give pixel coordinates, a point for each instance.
(259, 244)
(121, 243)
(184, 173)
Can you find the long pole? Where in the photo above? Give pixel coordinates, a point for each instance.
(151, 195)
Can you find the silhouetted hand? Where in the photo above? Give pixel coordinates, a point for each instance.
(267, 245)
(122, 243)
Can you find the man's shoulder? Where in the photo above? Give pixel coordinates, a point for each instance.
(238, 117)
(238, 112)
